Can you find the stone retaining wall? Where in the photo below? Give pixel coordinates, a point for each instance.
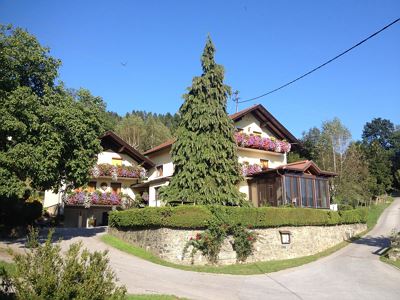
(168, 243)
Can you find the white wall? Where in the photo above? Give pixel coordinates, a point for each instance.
(161, 158)
(249, 124)
(51, 198)
(106, 157)
(152, 194)
(253, 156)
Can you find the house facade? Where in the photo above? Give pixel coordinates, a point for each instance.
(122, 173)
(263, 144)
(118, 167)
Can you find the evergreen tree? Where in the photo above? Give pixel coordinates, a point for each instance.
(204, 154)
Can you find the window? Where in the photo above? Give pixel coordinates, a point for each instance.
(310, 193)
(292, 190)
(264, 163)
(116, 187)
(239, 129)
(323, 186)
(116, 161)
(91, 187)
(257, 133)
(303, 188)
(288, 190)
(160, 170)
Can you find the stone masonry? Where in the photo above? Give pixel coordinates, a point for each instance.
(168, 243)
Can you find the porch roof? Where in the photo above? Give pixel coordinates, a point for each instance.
(303, 166)
(148, 183)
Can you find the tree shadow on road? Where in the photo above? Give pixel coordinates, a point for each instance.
(382, 242)
(59, 234)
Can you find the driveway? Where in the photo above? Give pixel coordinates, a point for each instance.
(353, 272)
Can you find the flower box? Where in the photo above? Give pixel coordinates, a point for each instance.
(93, 198)
(262, 143)
(250, 169)
(118, 171)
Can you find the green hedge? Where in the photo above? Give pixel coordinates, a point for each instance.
(189, 216)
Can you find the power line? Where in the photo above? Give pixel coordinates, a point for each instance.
(324, 64)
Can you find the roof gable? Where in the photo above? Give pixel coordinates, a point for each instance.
(111, 141)
(261, 114)
(268, 121)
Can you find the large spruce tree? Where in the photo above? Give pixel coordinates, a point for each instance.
(204, 154)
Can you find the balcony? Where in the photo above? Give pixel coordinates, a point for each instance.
(115, 172)
(261, 143)
(96, 198)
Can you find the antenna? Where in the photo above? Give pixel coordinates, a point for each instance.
(236, 98)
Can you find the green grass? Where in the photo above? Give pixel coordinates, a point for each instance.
(237, 269)
(152, 297)
(374, 213)
(9, 267)
(395, 263)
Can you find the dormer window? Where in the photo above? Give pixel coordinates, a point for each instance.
(257, 133)
(239, 129)
(160, 170)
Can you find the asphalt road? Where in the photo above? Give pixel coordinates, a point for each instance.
(353, 272)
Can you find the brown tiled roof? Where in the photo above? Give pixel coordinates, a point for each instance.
(111, 140)
(164, 145)
(260, 113)
(301, 166)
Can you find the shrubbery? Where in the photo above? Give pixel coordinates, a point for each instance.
(43, 273)
(196, 216)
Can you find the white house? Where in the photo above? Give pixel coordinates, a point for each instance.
(263, 143)
(118, 167)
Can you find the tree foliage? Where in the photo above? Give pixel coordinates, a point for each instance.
(204, 154)
(378, 130)
(141, 132)
(48, 134)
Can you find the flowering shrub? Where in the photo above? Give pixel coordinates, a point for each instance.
(262, 143)
(96, 198)
(250, 169)
(118, 171)
(243, 242)
(210, 241)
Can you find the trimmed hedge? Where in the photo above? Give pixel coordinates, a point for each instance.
(189, 216)
(183, 216)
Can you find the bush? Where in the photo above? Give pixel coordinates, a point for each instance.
(196, 217)
(43, 273)
(183, 216)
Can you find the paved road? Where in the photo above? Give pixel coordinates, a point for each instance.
(354, 272)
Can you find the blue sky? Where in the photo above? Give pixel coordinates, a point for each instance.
(262, 44)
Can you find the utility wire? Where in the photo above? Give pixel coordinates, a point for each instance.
(320, 66)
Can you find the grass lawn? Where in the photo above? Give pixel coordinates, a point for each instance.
(9, 267)
(395, 263)
(240, 269)
(374, 213)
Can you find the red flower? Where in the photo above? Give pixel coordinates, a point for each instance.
(198, 236)
(249, 238)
